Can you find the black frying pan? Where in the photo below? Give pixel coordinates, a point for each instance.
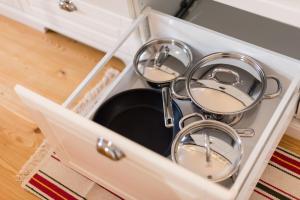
(138, 114)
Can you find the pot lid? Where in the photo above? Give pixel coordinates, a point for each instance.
(162, 60)
(208, 148)
(226, 83)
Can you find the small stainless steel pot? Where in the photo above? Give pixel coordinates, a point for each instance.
(209, 148)
(159, 62)
(226, 84)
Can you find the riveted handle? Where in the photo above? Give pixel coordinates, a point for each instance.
(189, 116)
(67, 5)
(277, 92)
(245, 132)
(109, 150)
(173, 90)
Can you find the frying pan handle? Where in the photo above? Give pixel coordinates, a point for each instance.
(278, 90)
(193, 115)
(174, 93)
(109, 150)
(167, 106)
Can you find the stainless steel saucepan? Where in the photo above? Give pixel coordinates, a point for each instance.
(209, 148)
(226, 84)
(159, 62)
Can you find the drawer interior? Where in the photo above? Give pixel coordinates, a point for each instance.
(204, 42)
(257, 118)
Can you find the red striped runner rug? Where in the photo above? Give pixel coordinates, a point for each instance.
(54, 181)
(281, 178)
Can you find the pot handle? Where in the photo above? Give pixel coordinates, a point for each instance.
(245, 132)
(174, 93)
(278, 90)
(167, 107)
(183, 119)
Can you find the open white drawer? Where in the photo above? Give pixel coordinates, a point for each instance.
(143, 174)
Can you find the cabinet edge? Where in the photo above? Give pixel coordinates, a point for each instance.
(19, 15)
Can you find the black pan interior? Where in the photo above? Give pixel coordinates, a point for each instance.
(137, 114)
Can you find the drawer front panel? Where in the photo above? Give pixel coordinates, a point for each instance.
(88, 16)
(145, 179)
(121, 7)
(12, 3)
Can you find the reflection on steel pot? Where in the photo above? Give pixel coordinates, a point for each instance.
(209, 148)
(159, 62)
(227, 84)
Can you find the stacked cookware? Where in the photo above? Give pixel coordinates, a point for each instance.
(222, 86)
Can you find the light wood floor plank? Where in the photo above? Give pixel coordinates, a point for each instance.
(50, 64)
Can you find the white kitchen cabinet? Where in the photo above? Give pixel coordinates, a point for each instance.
(11, 3)
(97, 23)
(90, 22)
(143, 174)
(15, 9)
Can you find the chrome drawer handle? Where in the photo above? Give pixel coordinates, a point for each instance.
(67, 5)
(109, 150)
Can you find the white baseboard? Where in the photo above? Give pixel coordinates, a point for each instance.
(21, 16)
(294, 129)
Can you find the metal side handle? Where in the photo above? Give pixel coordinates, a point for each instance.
(245, 132)
(109, 150)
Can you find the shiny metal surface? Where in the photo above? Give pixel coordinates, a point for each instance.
(160, 61)
(278, 90)
(189, 116)
(209, 148)
(228, 71)
(167, 106)
(178, 85)
(67, 5)
(226, 84)
(243, 132)
(109, 150)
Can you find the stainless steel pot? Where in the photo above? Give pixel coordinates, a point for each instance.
(209, 148)
(159, 62)
(226, 84)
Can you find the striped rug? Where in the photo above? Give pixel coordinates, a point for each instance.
(281, 179)
(54, 181)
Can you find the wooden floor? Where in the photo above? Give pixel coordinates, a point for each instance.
(51, 65)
